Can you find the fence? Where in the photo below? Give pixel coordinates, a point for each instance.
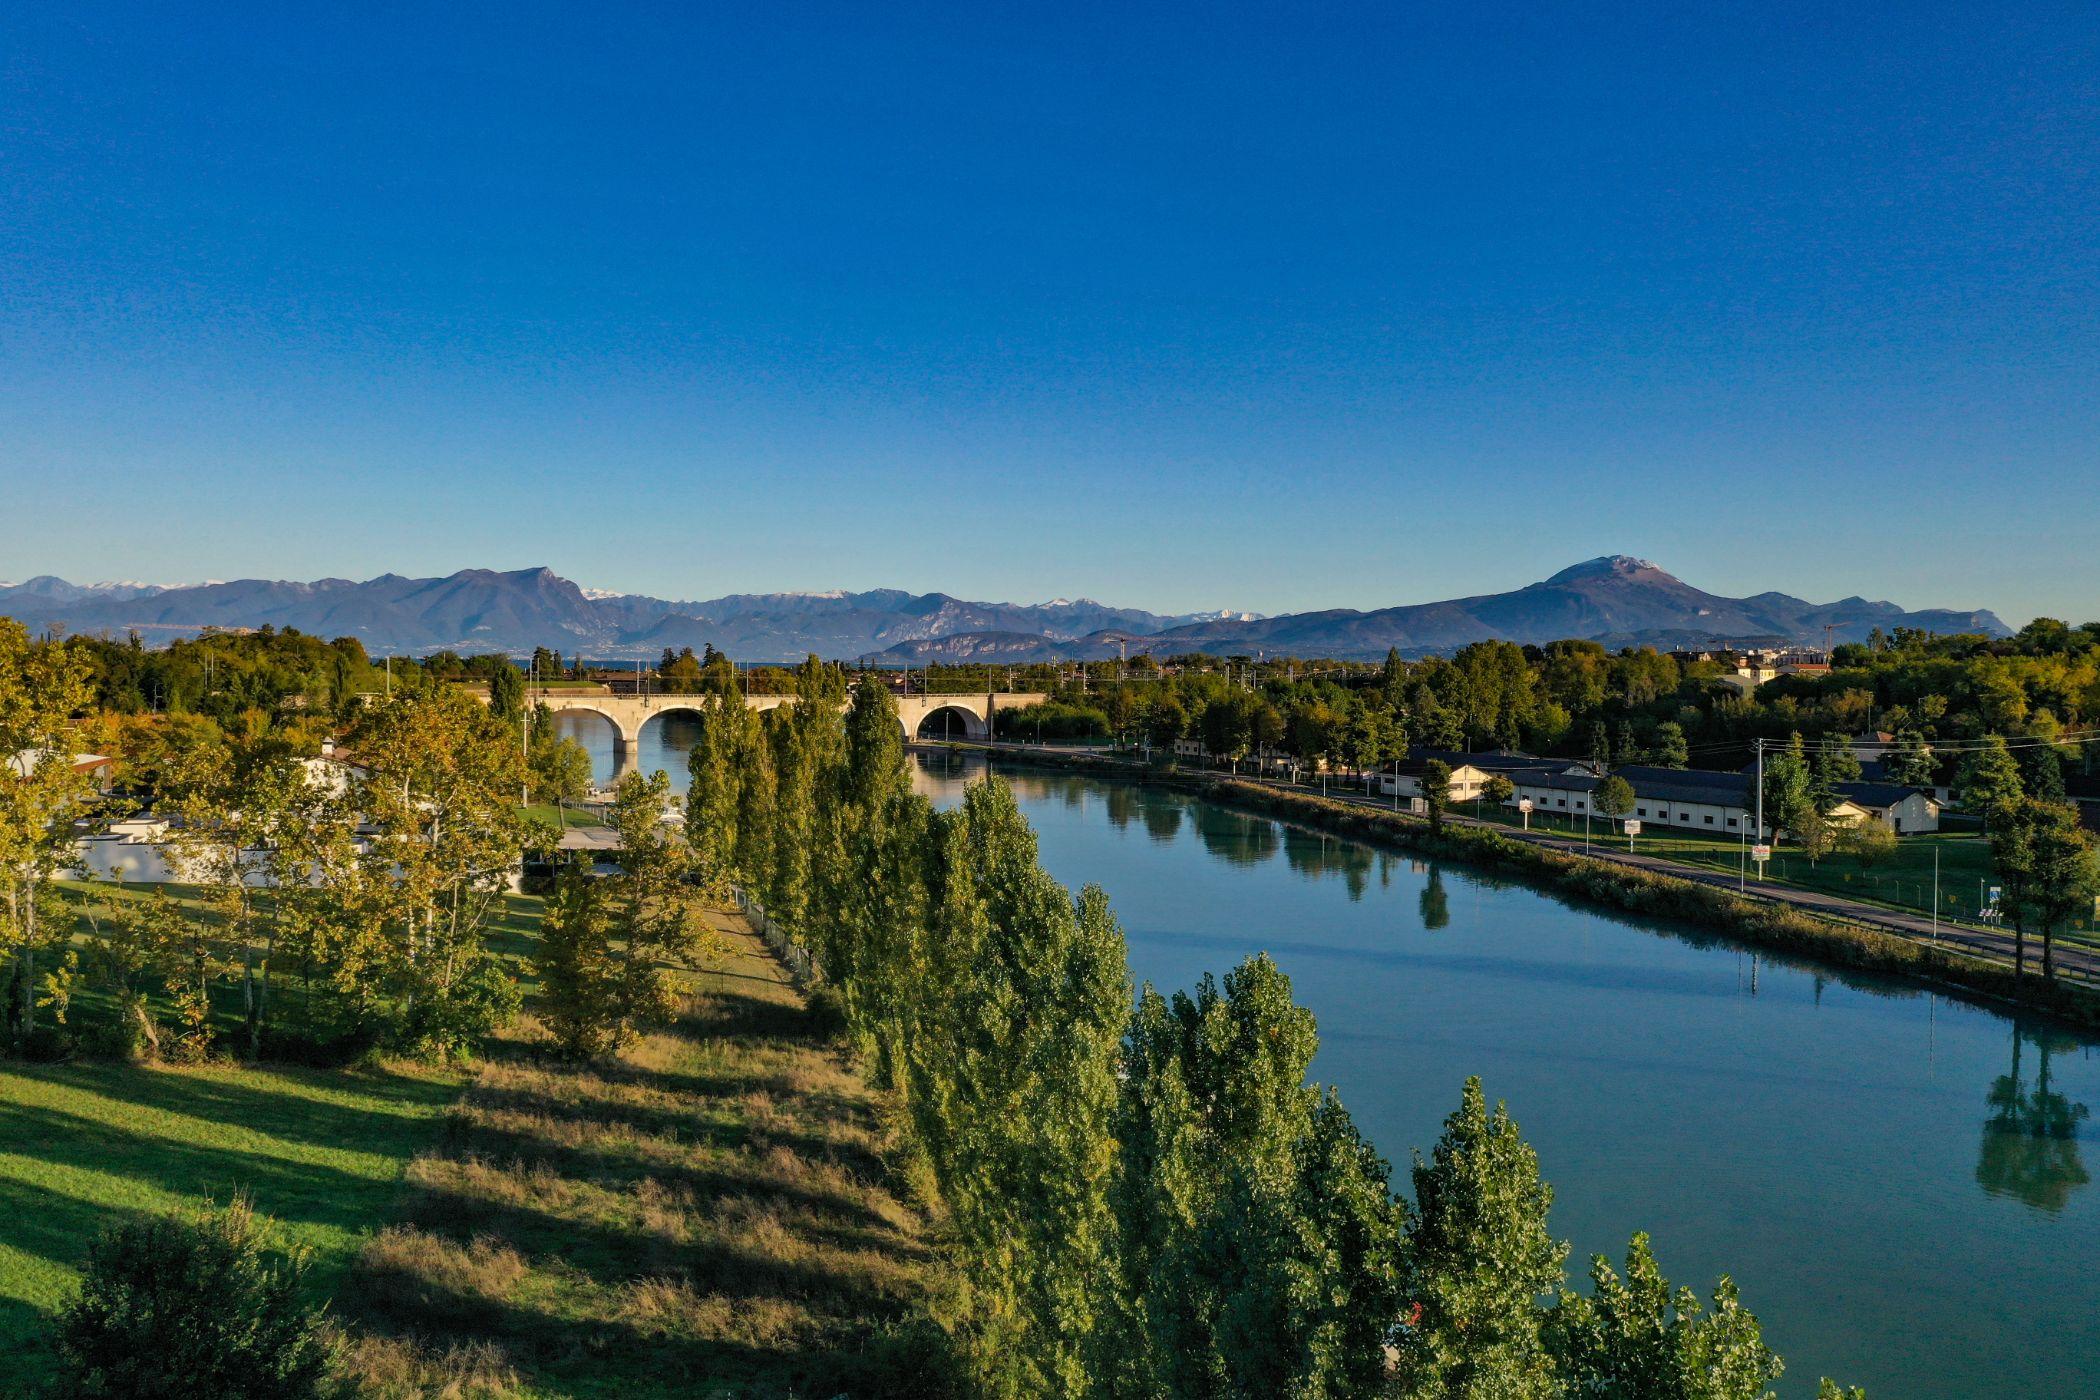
(800, 965)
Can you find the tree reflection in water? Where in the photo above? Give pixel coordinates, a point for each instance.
(1435, 904)
(2030, 1140)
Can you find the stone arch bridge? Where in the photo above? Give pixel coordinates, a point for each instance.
(922, 716)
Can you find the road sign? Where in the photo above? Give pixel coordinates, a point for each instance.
(1633, 827)
(1760, 853)
(1525, 806)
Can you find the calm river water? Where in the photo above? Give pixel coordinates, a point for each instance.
(1895, 1180)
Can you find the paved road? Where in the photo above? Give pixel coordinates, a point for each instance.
(1995, 944)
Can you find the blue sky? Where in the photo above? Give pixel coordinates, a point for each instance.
(1279, 307)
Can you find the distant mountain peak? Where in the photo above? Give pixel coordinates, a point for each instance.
(1609, 566)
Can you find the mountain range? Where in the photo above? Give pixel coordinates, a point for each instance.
(1618, 600)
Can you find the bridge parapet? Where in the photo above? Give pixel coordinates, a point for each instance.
(961, 716)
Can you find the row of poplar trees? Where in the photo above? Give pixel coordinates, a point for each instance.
(1145, 1196)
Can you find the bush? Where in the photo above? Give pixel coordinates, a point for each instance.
(481, 1002)
(184, 1308)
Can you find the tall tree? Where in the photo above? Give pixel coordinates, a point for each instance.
(1633, 1336)
(1479, 1258)
(2063, 877)
(43, 685)
(1435, 783)
(1989, 779)
(440, 798)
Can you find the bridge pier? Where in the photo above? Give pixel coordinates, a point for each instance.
(627, 755)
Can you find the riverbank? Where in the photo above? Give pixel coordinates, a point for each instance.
(1769, 921)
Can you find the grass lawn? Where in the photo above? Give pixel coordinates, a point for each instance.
(715, 1212)
(711, 1214)
(85, 1146)
(1903, 878)
(547, 814)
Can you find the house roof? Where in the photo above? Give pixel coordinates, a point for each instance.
(1509, 764)
(1878, 794)
(1688, 785)
(1558, 779)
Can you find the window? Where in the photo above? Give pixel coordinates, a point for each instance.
(1640, 811)
(1562, 801)
(1709, 818)
(1733, 822)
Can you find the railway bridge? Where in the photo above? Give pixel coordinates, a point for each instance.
(922, 716)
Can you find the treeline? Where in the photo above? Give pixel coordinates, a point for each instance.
(328, 904)
(1146, 1198)
(1577, 699)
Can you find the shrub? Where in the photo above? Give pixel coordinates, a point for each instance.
(182, 1308)
(481, 1002)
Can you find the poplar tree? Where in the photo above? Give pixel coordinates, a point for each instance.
(1478, 1259)
(717, 765)
(1016, 1089)
(1213, 1086)
(1634, 1336)
(1436, 790)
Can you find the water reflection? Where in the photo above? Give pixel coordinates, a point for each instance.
(1434, 903)
(2030, 1141)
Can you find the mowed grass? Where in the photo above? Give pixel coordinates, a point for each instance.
(1903, 879)
(86, 1146)
(714, 1212)
(711, 1214)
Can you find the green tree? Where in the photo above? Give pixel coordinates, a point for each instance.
(1789, 789)
(1669, 749)
(1012, 1092)
(558, 769)
(657, 903)
(1479, 1258)
(506, 692)
(2062, 875)
(1613, 798)
(439, 798)
(1166, 721)
(170, 1309)
(1868, 842)
(1435, 783)
(1600, 745)
(1306, 1269)
(1908, 761)
(42, 686)
(580, 979)
(1635, 1337)
(1498, 790)
(1989, 779)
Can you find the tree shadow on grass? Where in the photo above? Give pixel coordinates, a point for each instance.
(307, 1193)
(265, 1107)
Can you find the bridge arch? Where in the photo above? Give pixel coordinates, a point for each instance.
(951, 721)
(611, 720)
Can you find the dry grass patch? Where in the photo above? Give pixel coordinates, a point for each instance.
(714, 1213)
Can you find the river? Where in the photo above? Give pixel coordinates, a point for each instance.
(1893, 1178)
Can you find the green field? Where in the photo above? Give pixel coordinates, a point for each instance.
(711, 1214)
(85, 1146)
(1903, 879)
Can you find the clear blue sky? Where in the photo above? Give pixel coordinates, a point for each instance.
(1273, 307)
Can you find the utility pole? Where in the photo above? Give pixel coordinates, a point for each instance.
(1760, 801)
(1935, 892)
(525, 738)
